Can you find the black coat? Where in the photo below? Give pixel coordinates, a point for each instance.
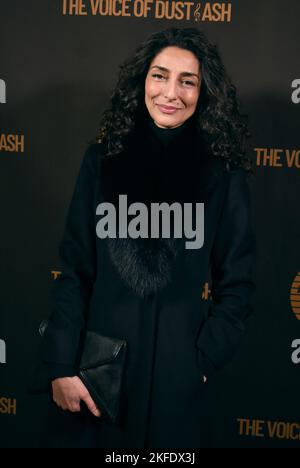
(148, 291)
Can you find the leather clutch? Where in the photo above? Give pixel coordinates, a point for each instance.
(101, 369)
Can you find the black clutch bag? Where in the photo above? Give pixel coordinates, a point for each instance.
(101, 369)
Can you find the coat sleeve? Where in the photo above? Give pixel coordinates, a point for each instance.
(233, 262)
(71, 291)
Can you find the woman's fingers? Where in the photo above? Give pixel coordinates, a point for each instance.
(68, 393)
(73, 406)
(91, 405)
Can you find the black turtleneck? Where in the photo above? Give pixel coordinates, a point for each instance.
(166, 135)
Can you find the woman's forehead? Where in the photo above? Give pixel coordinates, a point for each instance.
(177, 59)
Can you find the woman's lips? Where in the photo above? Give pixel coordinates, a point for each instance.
(168, 109)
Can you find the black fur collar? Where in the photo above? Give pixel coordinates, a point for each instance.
(148, 171)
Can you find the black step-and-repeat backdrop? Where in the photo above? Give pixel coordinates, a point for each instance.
(59, 62)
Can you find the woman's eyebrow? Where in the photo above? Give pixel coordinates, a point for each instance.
(185, 73)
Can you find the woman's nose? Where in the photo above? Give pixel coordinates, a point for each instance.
(171, 89)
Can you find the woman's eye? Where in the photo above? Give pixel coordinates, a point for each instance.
(185, 82)
(190, 83)
(157, 75)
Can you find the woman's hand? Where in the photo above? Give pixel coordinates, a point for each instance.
(204, 378)
(69, 391)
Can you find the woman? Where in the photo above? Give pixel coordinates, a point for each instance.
(173, 133)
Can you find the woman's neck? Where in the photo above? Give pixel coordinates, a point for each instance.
(166, 135)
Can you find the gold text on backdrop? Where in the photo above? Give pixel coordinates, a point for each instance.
(157, 9)
(274, 157)
(12, 143)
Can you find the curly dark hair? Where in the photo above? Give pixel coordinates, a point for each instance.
(217, 112)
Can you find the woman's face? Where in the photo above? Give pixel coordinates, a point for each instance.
(174, 81)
